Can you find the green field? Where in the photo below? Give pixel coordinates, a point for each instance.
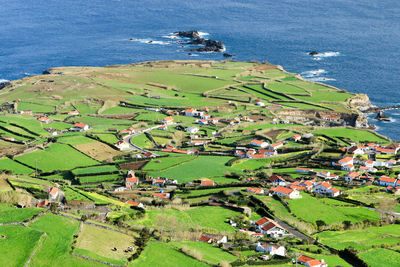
(380, 257)
(75, 140)
(167, 256)
(55, 248)
(98, 178)
(209, 253)
(95, 170)
(9, 214)
(54, 158)
(215, 218)
(329, 210)
(18, 244)
(362, 239)
(15, 167)
(352, 134)
(202, 166)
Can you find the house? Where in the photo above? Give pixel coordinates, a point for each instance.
(325, 188)
(268, 152)
(205, 116)
(26, 112)
(198, 142)
(311, 262)
(285, 192)
(73, 112)
(260, 104)
(211, 238)
(296, 137)
(346, 164)
(276, 146)
(270, 227)
(42, 203)
(387, 151)
(202, 122)
(44, 120)
(161, 195)
(277, 180)
(79, 127)
(381, 164)
(207, 183)
(149, 155)
(130, 130)
(258, 191)
(309, 184)
(356, 150)
(272, 249)
(324, 174)
(135, 204)
(158, 182)
(391, 162)
(351, 176)
(369, 164)
(163, 127)
(53, 193)
(213, 121)
(259, 143)
(168, 120)
(193, 113)
(388, 181)
(192, 129)
(122, 145)
(131, 179)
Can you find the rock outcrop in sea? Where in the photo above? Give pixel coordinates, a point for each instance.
(208, 45)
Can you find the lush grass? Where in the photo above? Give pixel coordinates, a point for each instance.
(207, 217)
(54, 158)
(209, 252)
(167, 162)
(15, 167)
(167, 256)
(142, 141)
(18, 244)
(202, 166)
(362, 239)
(98, 178)
(108, 138)
(98, 243)
(9, 214)
(55, 249)
(380, 257)
(75, 140)
(202, 192)
(95, 170)
(352, 134)
(329, 210)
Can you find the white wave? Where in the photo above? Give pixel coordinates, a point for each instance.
(321, 79)
(149, 41)
(194, 55)
(312, 73)
(202, 34)
(327, 54)
(317, 58)
(171, 36)
(3, 80)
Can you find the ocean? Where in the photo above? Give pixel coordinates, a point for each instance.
(359, 40)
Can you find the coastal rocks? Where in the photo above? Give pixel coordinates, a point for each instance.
(227, 55)
(360, 102)
(4, 85)
(380, 116)
(208, 45)
(313, 53)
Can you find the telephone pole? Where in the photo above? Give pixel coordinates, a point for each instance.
(35, 168)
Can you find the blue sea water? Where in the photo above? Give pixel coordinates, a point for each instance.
(360, 39)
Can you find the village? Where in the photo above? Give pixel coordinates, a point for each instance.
(226, 183)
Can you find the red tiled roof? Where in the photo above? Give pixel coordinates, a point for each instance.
(132, 180)
(80, 125)
(254, 190)
(282, 190)
(346, 160)
(277, 144)
(207, 182)
(170, 118)
(132, 203)
(255, 141)
(262, 221)
(275, 177)
(160, 195)
(387, 179)
(53, 191)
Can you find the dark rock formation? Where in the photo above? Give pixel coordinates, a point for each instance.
(208, 45)
(4, 85)
(313, 53)
(227, 55)
(382, 117)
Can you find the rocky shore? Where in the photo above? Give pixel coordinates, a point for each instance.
(207, 45)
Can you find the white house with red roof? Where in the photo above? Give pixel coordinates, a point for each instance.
(122, 145)
(207, 183)
(387, 151)
(346, 164)
(53, 193)
(351, 176)
(277, 180)
(272, 249)
(168, 120)
(73, 112)
(259, 143)
(161, 195)
(80, 127)
(285, 192)
(270, 227)
(356, 150)
(26, 112)
(311, 262)
(193, 113)
(130, 130)
(131, 180)
(135, 204)
(296, 137)
(44, 120)
(324, 174)
(276, 145)
(388, 181)
(210, 238)
(213, 121)
(158, 182)
(325, 188)
(258, 191)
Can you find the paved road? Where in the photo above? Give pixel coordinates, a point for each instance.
(128, 139)
(293, 231)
